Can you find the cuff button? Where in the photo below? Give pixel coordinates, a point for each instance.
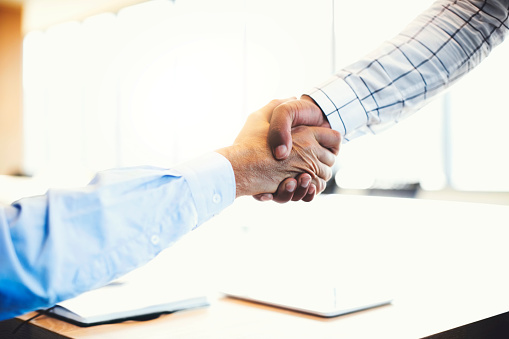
(216, 198)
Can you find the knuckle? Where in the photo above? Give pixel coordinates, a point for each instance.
(281, 110)
(336, 134)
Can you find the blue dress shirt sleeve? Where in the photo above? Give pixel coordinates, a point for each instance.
(437, 48)
(63, 243)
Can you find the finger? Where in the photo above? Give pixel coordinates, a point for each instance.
(285, 116)
(325, 156)
(311, 193)
(304, 180)
(328, 138)
(320, 185)
(324, 172)
(263, 197)
(285, 190)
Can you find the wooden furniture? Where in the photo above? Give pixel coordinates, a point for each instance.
(11, 117)
(231, 318)
(449, 267)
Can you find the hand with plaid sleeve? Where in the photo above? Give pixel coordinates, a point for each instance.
(435, 50)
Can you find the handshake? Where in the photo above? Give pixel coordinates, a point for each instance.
(284, 152)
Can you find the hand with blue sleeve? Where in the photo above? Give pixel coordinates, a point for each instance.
(256, 171)
(68, 241)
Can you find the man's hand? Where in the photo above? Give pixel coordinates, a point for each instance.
(300, 188)
(256, 171)
(285, 116)
(290, 114)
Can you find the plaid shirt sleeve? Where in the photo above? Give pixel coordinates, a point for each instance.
(440, 46)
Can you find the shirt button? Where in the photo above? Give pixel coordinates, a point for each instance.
(154, 239)
(216, 198)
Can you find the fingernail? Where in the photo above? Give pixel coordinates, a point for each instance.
(266, 197)
(281, 151)
(312, 189)
(290, 187)
(305, 182)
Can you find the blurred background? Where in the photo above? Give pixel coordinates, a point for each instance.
(87, 85)
(90, 85)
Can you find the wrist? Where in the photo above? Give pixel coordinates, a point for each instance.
(233, 155)
(309, 99)
(255, 170)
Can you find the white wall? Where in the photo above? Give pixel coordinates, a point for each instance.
(164, 81)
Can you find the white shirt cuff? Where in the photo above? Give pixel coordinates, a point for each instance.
(341, 106)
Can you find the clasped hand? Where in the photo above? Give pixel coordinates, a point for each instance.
(304, 162)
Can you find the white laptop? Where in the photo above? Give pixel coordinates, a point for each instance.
(311, 258)
(325, 300)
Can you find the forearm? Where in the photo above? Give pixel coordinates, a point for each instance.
(436, 49)
(66, 242)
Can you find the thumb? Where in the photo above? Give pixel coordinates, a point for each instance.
(280, 130)
(284, 117)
